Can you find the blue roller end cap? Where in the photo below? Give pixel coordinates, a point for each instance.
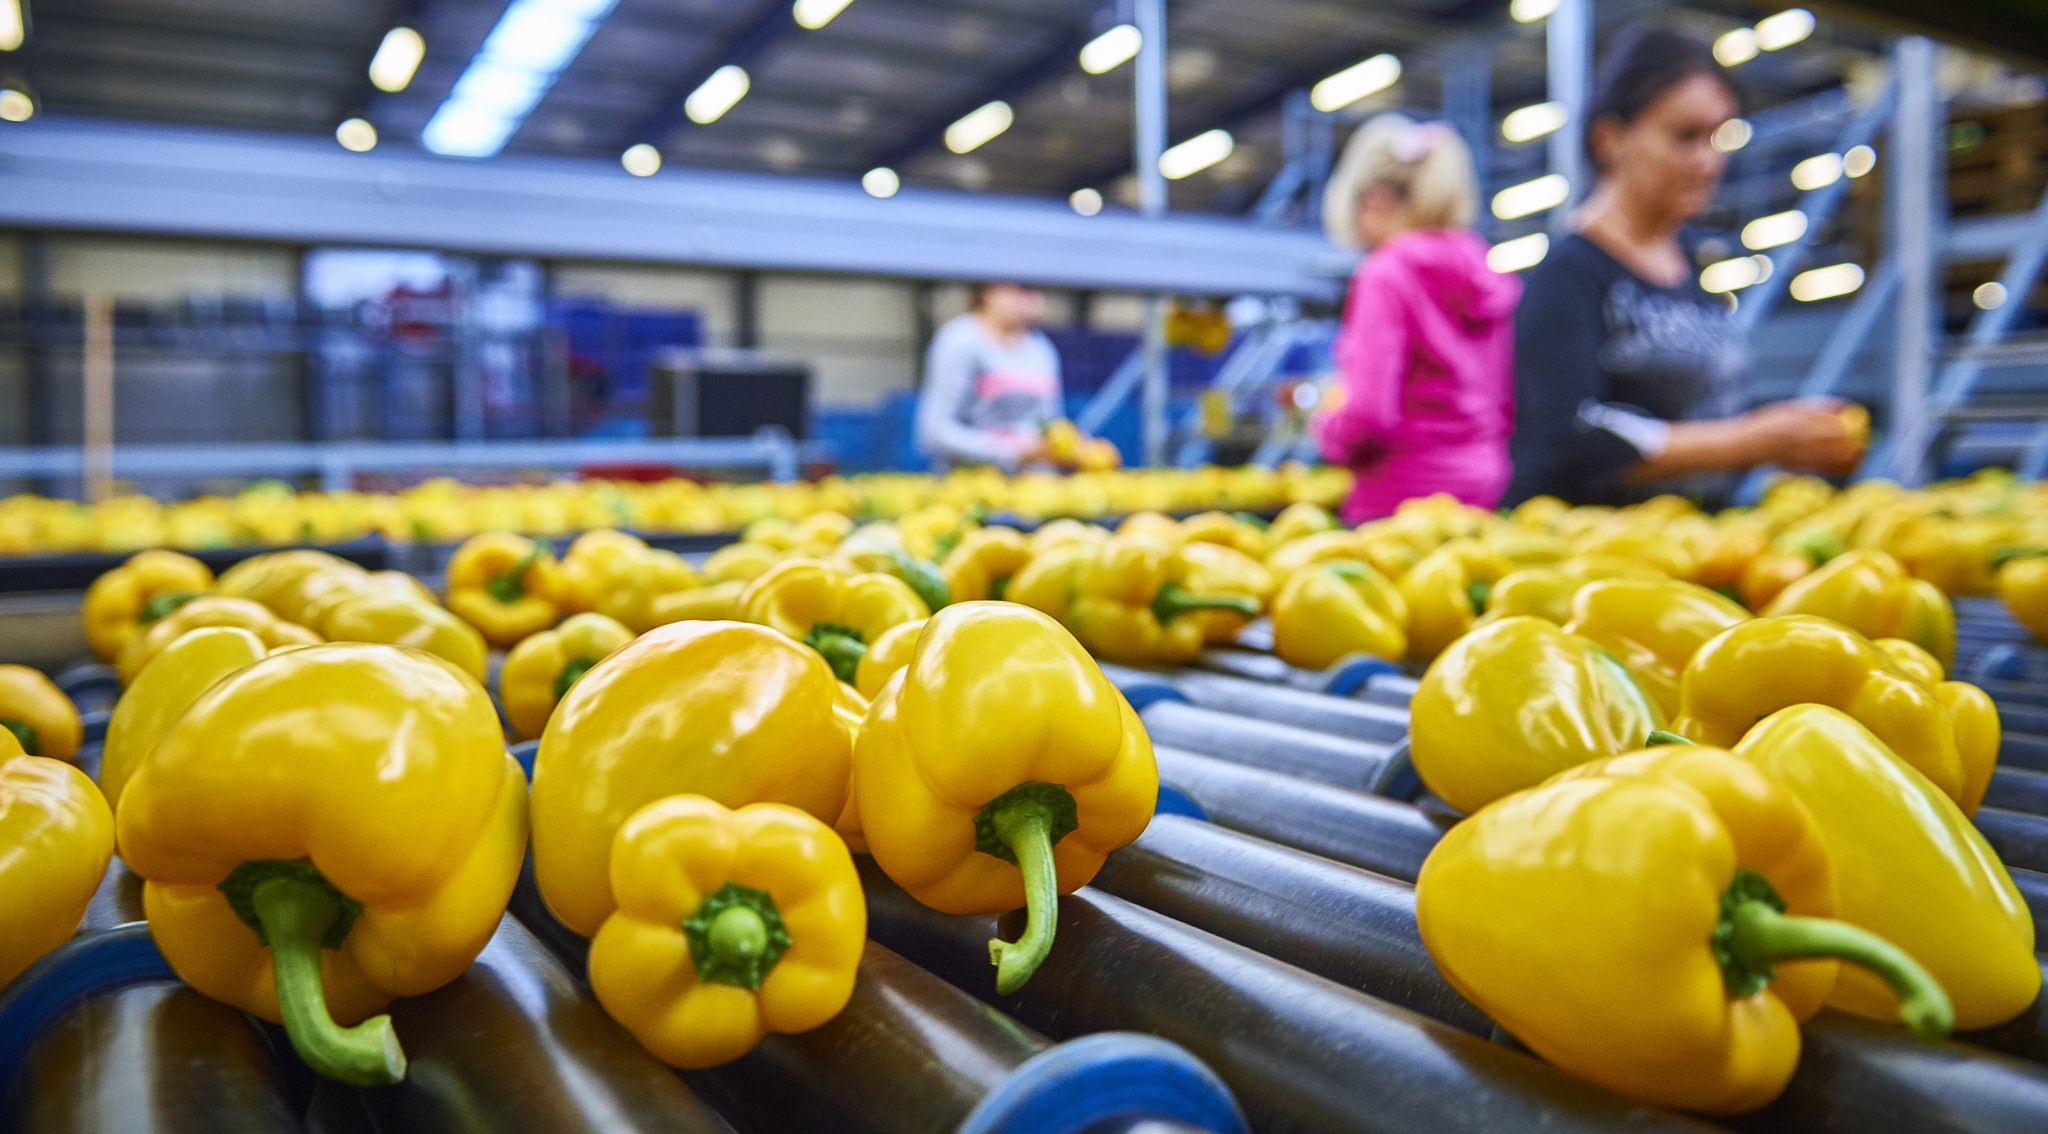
(524, 752)
(68, 976)
(1073, 1087)
(1351, 674)
(94, 725)
(1173, 801)
(2003, 662)
(1142, 694)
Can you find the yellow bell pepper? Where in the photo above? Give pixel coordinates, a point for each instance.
(162, 692)
(1048, 583)
(1971, 711)
(1214, 569)
(1546, 591)
(1869, 592)
(1336, 608)
(1132, 602)
(889, 653)
(1446, 592)
(41, 718)
(634, 582)
(209, 610)
(711, 602)
(1158, 525)
(1790, 558)
(758, 726)
(1658, 924)
(1523, 548)
(1228, 530)
(1287, 558)
(981, 565)
(730, 925)
(504, 585)
(323, 831)
(1957, 555)
(1757, 667)
(322, 592)
(740, 563)
(1727, 551)
(280, 580)
(585, 564)
(974, 813)
(424, 626)
(59, 836)
(832, 612)
(1651, 546)
(1297, 520)
(1059, 533)
(922, 576)
(2023, 589)
(539, 671)
(1515, 702)
(1654, 626)
(148, 586)
(1908, 867)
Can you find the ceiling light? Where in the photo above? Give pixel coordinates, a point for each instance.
(1775, 33)
(1732, 135)
(356, 134)
(1355, 82)
(1531, 122)
(1196, 154)
(1826, 283)
(391, 69)
(13, 28)
(641, 160)
(1087, 202)
(978, 126)
(1989, 296)
(718, 93)
(15, 106)
(1817, 172)
(1519, 253)
(521, 58)
(1773, 230)
(1545, 192)
(1859, 160)
(1111, 49)
(1733, 275)
(1529, 11)
(815, 14)
(881, 181)
(1736, 47)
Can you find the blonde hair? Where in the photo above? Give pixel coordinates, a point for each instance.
(1426, 163)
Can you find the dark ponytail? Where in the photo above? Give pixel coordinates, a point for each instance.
(1643, 63)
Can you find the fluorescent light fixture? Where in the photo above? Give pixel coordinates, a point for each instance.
(1826, 283)
(1736, 47)
(815, 14)
(1859, 160)
(641, 160)
(391, 69)
(1196, 154)
(881, 181)
(979, 126)
(356, 134)
(1087, 202)
(1725, 276)
(1529, 11)
(719, 92)
(1519, 253)
(1531, 122)
(1111, 49)
(1355, 82)
(15, 106)
(1732, 135)
(1817, 172)
(1989, 296)
(1546, 192)
(521, 58)
(1773, 230)
(1775, 33)
(13, 28)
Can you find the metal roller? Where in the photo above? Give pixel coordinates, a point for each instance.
(1334, 716)
(2019, 750)
(1856, 1074)
(2011, 692)
(1263, 744)
(2025, 1034)
(2016, 789)
(1352, 926)
(118, 901)
(2029, 719)
(1258, 667)
(1381, 835)
(1301, 1052)
(911, 1054)
(2033, 887)
(100, 1035)
(2020, 839)
(1394, 690)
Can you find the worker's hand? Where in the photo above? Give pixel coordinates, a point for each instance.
(1807, 435)
(1034, 451)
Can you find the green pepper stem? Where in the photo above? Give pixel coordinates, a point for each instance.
(1755, 935)
(31, 742)
(1026, 828)
(841, 646)
(570, 675)
(1174, 600)
(998, 587)
(510, 587)
(1478, 592)
(296, 916)
(738, 935)
(1662, 736)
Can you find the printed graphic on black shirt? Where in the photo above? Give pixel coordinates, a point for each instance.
(1670, 355)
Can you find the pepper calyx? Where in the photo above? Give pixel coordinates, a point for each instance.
(1661, 736)
(31, 742)
(160, 606)
(1021, 826)
(736, 936)
(510, 587)
(240, 888)
(841, 646)
(1477, 592)
(1174, 600)
(571, 674)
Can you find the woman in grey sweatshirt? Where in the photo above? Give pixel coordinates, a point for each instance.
(991, 382)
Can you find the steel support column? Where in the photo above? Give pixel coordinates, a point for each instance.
(1149, 97)
(1569, 51)
(1914, 167)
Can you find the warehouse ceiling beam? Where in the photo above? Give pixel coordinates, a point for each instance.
(770, 21)
(65, 173)
(930, 134)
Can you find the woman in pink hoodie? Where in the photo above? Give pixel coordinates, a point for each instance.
(1425, 394)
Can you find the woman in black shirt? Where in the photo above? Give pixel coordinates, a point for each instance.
(1628, 377)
